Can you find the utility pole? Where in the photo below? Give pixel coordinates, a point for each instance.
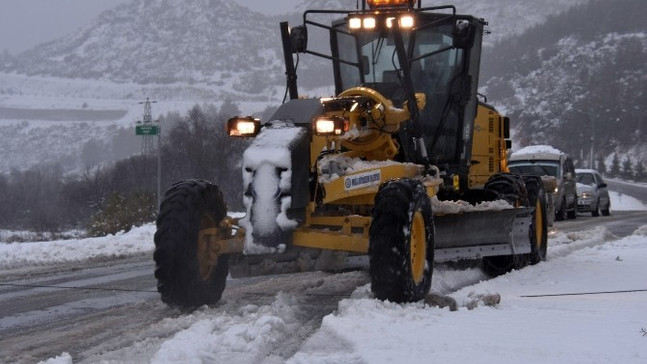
(147, 128)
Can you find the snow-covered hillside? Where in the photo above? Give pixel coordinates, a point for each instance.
(578, 79)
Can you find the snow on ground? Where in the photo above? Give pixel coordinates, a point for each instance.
(625, 202)
(585, 304)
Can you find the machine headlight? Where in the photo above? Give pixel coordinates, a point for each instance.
(355, 23)
(330, 125)
(405, 21)
(245, 127)
(368, 23)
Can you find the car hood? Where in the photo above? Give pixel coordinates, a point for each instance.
(584, 188)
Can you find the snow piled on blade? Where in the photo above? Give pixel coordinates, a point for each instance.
(456, 207)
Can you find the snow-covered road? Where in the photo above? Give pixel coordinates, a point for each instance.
(587, 303)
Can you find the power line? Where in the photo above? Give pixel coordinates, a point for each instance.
(582, 293)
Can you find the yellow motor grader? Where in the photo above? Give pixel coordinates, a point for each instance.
(405, 166)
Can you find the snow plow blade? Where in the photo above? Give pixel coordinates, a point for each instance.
(468, 235)
(482, 233)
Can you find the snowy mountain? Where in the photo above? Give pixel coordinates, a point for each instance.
(581, 76)
(161, 41)
(180, 54)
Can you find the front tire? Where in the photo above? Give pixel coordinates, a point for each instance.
(607, 210)
(401, 242)
(573, 213)
(596, 210)
(538, 228)
(182, 278)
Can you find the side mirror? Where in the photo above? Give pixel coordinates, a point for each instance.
(299, 39)
(602, 185)
(506, 127)
(463, 34)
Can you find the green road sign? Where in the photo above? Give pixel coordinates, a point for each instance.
(146, 129)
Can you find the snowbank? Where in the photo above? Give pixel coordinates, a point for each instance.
(138, 240)
(529, 325)
(621, 202)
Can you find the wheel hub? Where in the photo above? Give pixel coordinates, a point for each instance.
(418, 247)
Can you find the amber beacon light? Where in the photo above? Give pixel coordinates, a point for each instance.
(386, 3)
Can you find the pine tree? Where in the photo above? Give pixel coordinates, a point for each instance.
(640, 174)
(627, 172)
(602, 167)
(615, 167)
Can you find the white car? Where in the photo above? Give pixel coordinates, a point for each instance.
(592, 193)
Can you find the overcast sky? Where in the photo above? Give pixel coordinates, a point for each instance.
(26, 23)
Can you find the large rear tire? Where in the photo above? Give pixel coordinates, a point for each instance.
(509, 187)
(182, 278)
(538, 227)
(401, 242)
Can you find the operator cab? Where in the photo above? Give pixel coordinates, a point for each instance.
(441, 56)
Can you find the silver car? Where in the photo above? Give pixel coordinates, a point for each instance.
(592, 193)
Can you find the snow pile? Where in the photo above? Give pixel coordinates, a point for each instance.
(138, 240)
(242, 337)
(621, 202)
(641, 231)
(64, 358)
(522, 327)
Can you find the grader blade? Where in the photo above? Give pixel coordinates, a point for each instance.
(482, 233)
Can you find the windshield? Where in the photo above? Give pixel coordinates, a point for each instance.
(540, 168)
(435, 68)
(585, 178)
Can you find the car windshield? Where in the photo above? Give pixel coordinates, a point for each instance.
(541, 168)
(585, 178)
